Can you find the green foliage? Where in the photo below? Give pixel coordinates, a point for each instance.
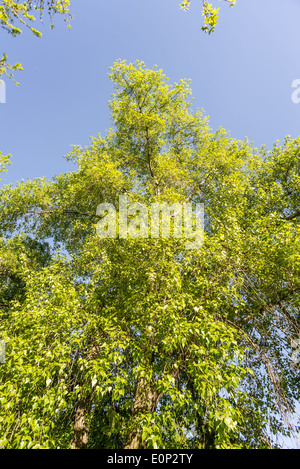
(24, 14)
(4, 160)
(138, 343)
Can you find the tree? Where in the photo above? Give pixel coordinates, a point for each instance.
(24, 14)
(138, 342)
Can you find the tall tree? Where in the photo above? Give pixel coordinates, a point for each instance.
(138, 342)
(24, 14)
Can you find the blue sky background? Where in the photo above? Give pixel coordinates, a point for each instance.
(241, 75)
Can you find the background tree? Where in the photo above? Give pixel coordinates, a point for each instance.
(137, 342)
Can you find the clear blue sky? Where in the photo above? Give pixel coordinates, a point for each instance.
(241, 75)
